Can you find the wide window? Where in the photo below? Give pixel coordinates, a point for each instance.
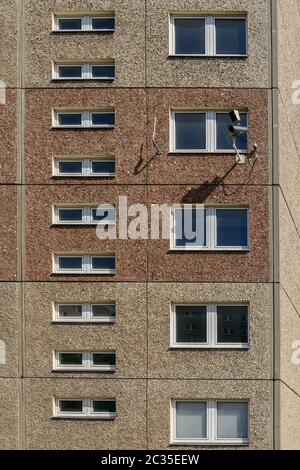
(206, 228)
(84, 264)
(210, 422)
(100, 168)
(84, 23)
(208, 36)
(204, 132)
(85, 408)
(89, 313)
(210, 326)
(86, 361)
(85, 119)
(84, 71)
(104, 215)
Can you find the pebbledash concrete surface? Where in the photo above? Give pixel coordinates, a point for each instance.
(151, 278)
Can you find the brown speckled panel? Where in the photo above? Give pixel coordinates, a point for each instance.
(126, 141)
(44, 239)
(177, 266)
(8, 233)
(208, 168)
(8, 138)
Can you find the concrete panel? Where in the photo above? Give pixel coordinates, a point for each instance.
(289, 419)
(253, 363)
(8, 233)
(161, 392)
(127, 336)
(179, 266)
(126, 142)
(203, 72)
(44, 239)
(126, 45)
(9, 43)
(178, 168)
(9, 334)
(9, 414)
(127, 431)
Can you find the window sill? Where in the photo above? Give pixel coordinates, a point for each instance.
(230, 347)
(82, 31)
(84, 371)
(81, 128)
(86, 418)
(83, 322)
(83, 79)
(209, 250)
(204, 443)
(206, 152)
(206, 56)
(103, 273)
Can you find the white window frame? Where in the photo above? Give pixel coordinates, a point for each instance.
(211, 438)
(87, 168)
(87, 362)
(87, 409)
(86, 23)
(87, 215)
(211, 230)
(86, 71)
(86, 119)
(87, 313)
(86, 265)
(210, 35)
(211, 132)
(212, 328)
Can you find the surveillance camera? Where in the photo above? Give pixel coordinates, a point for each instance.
(237, 131)
(235, 116)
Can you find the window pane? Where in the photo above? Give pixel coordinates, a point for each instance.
(191, 324)
(232, 324)
(70, 359)
(189, 36)
(232, 227)
(69, 23)
(104, 215)
(69, 72)
(104, 263)
(232, 420)
(71, 406)
(191, 420)
(70, 263)
(224, 139)
(106, 167)
(231, 36)
(70, 119)
(104, 311)
(101, 359)
(69, 215)
(190, 227)
(100, 406)
(103, 24)
(190, 131)
(103, 119)
(103, 71)
(70, 311)
(70, 167)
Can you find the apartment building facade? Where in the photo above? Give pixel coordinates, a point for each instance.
(149, 343)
